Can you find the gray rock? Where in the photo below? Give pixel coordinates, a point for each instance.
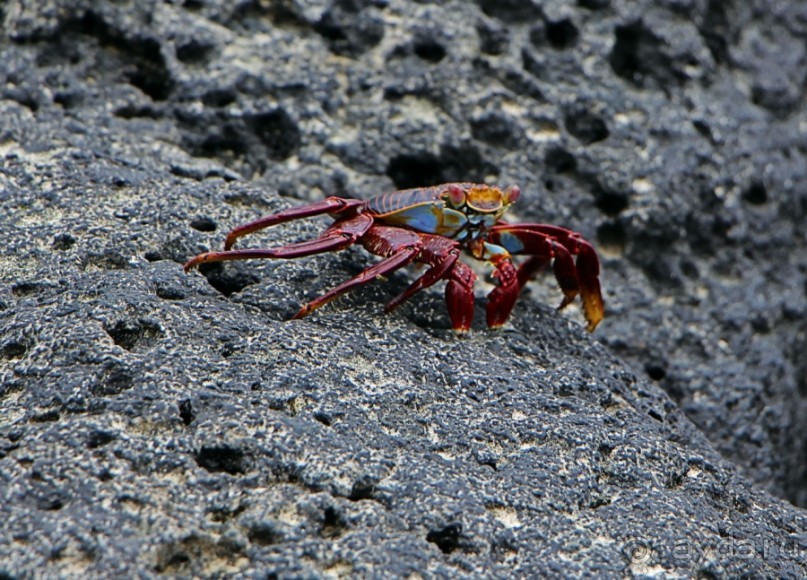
(153, 422)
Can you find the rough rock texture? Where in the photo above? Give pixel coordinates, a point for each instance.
(154, 422)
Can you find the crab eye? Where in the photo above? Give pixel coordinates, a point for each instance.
(511, 194)
(456, 195)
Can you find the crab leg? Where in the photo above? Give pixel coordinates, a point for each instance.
(545, 242)
(442, 254)
(546, 250)
(428, 279)
(398, 246)
(331, 205)
(338, 236)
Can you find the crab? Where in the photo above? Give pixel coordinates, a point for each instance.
(432, 226)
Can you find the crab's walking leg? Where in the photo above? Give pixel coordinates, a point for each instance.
(331, 205)
(563, 265)
(338, 236)
(396, 245)
(546, 242)
(442, 254)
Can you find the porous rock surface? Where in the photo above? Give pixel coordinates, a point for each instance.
(153, 422)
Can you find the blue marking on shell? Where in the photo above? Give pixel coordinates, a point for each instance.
(511, 242)
(423, 218)
(429, 218)
(453, 222)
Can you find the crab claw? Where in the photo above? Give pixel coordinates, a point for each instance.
(503, 297)
(460, 297)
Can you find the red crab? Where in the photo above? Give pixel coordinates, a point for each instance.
(432, 225)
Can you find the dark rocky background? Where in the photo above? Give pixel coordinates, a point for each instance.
(153, 422)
